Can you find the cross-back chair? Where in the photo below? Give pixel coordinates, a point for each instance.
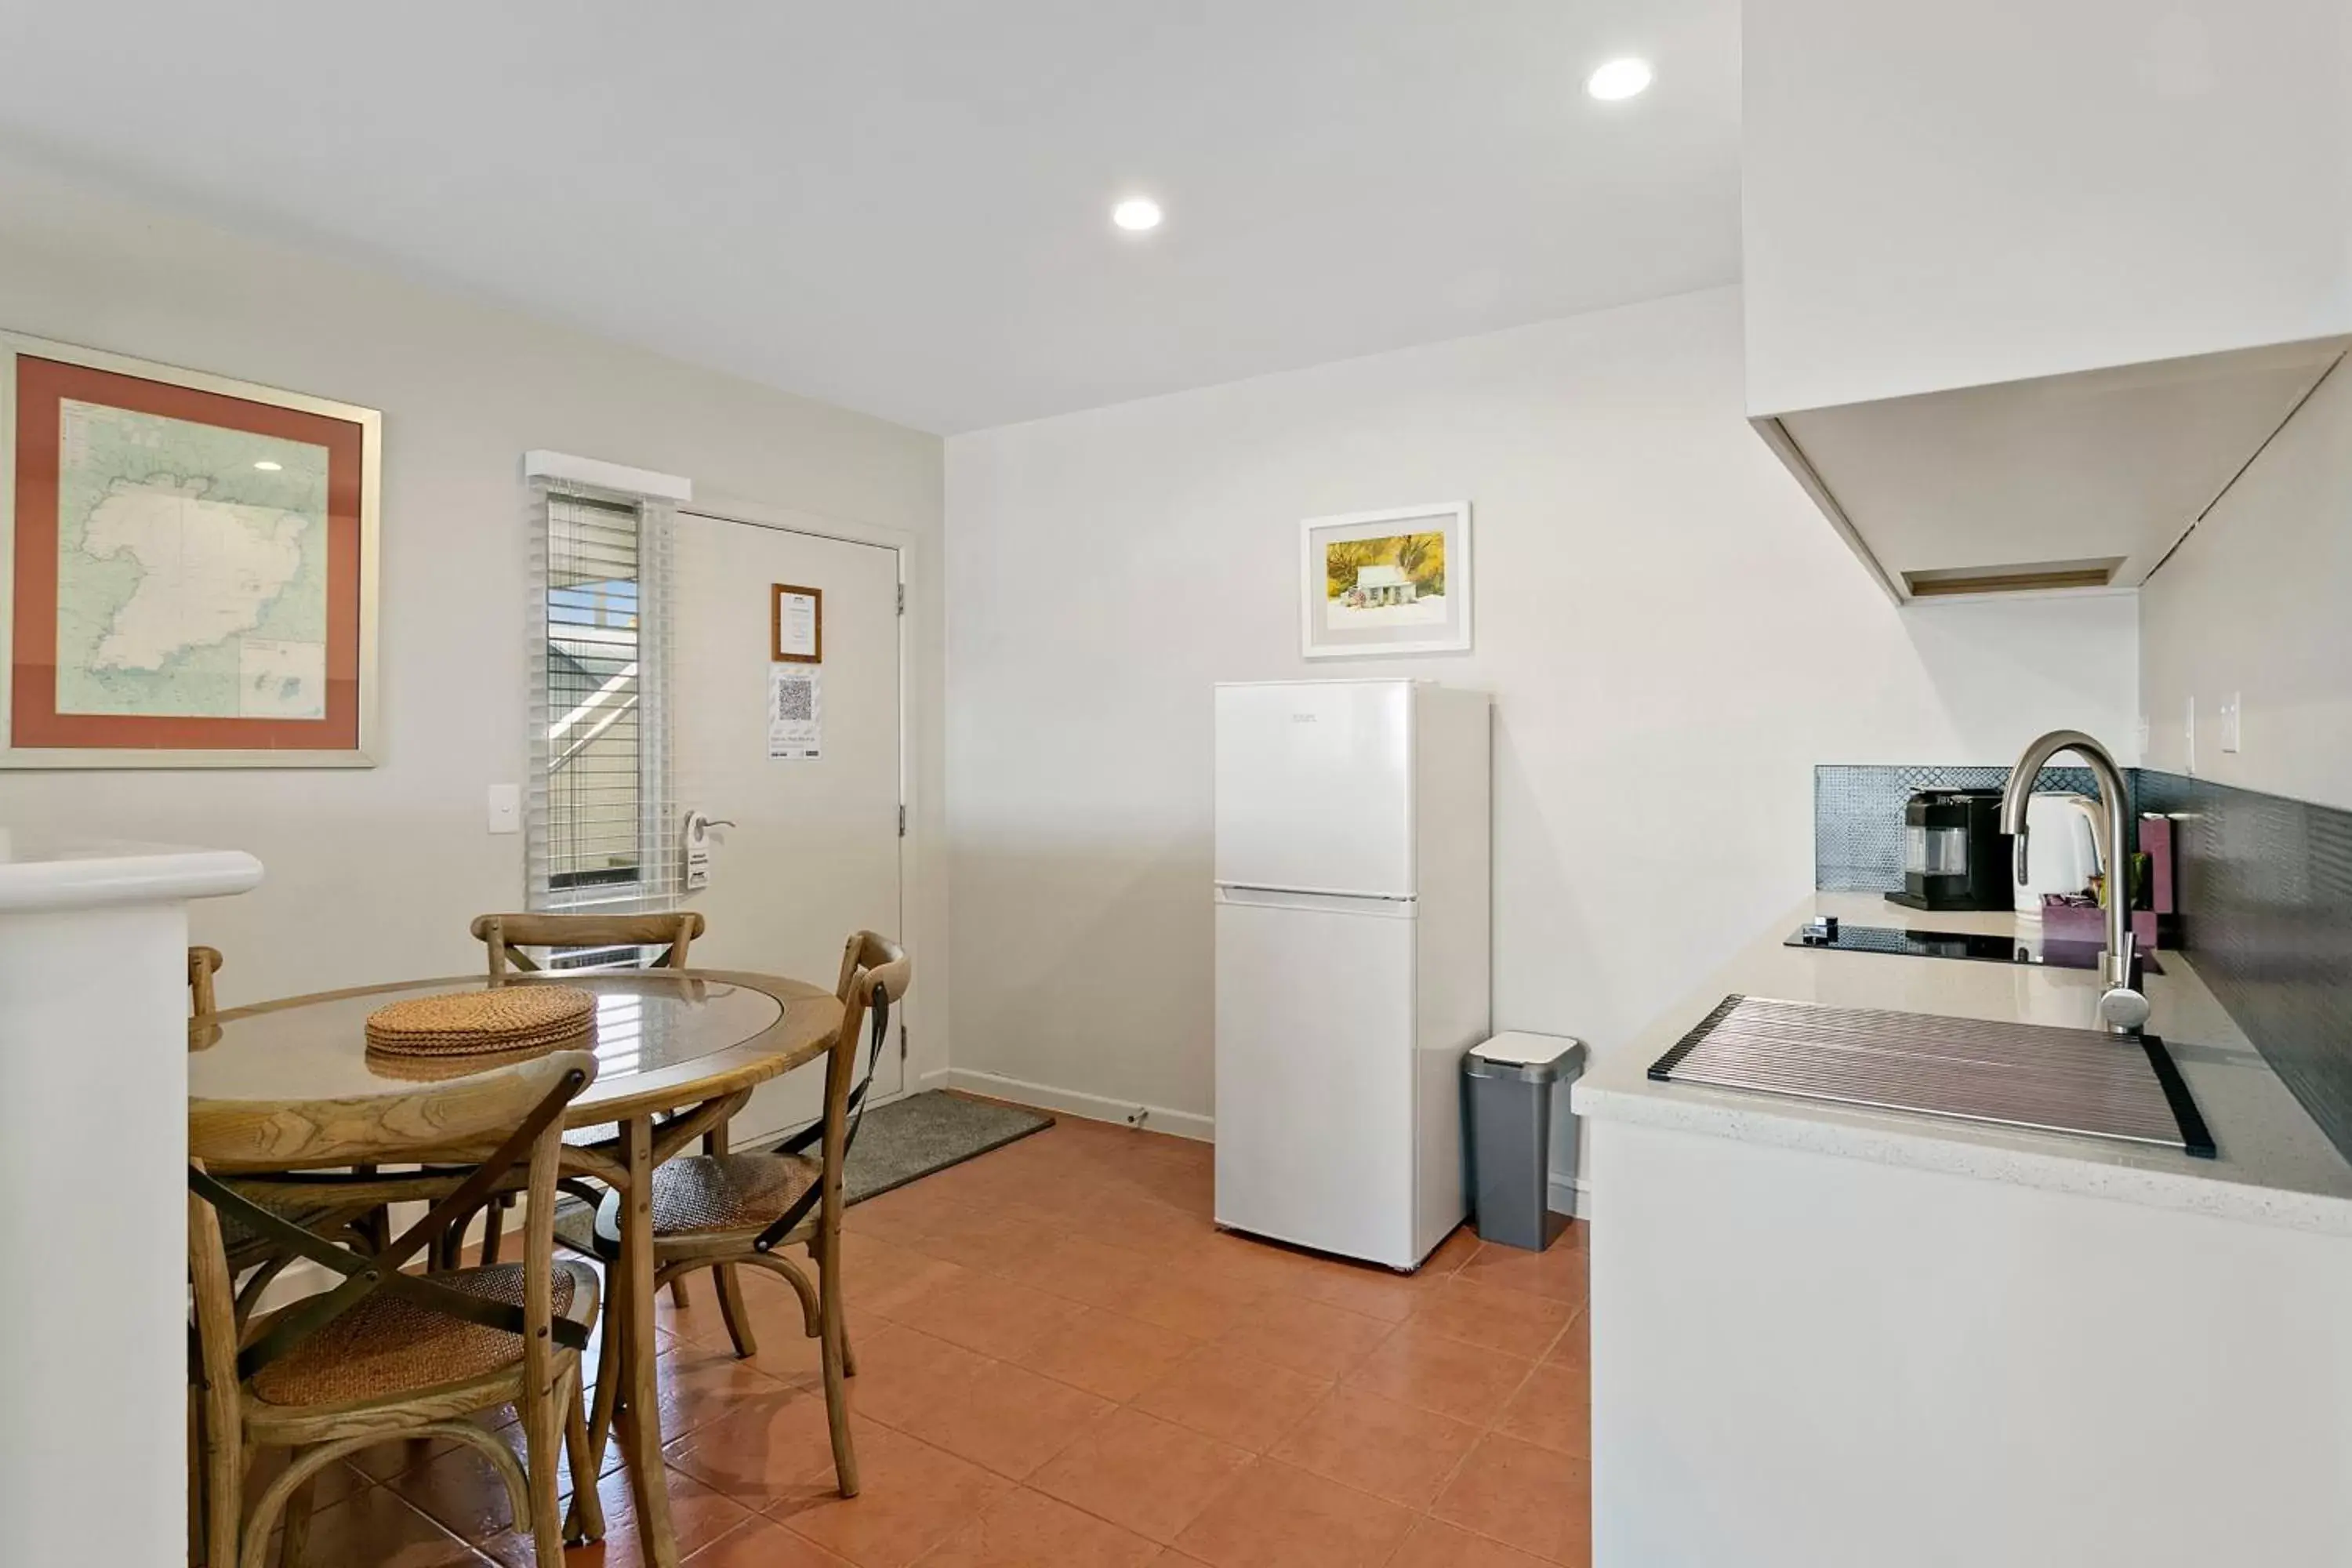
(251, 1255)
(723, 1211)
(384, 1353)
(505, 936)
(203, 963)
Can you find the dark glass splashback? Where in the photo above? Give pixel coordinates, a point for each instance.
(2265, 897)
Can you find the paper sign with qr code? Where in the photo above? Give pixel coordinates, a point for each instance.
(796, 714)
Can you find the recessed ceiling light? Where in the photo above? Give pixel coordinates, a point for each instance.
(1618, 78)
(1136, 215)
(267, 467)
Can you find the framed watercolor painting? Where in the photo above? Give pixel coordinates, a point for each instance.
(1386, 581)
(191, 568)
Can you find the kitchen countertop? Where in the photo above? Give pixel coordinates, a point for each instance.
(2275, 1165)
(40, 873)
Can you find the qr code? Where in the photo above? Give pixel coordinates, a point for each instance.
(795, 701)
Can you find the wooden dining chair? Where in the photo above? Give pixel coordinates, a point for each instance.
(203, 963)
(505, 936)
(725, 1211)
(386, 1355)
(251, 1257)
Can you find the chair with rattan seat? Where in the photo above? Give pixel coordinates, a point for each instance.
(387, 1355)
(245, 1250)
(506, 936)
(203, 963)
(249, 1254)
(740, 1210)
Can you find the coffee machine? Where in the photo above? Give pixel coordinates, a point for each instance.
(1954, 856)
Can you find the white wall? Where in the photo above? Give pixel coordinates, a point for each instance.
(2257, 603)
(1942, 196)
(373, 875)
(1674, 635)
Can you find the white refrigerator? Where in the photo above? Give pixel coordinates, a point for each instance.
(1352, 894)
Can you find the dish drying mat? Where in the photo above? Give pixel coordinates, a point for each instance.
(2083, 1081)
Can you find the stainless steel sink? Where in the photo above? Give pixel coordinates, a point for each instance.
(2084, 1081)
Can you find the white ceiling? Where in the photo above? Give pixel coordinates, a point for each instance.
(902, 206)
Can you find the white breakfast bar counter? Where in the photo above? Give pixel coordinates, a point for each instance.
(1826, 1336)
(93, 1162)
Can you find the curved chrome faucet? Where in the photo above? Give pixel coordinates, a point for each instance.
(2122, 1009)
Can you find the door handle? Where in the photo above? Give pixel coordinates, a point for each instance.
(694, 852)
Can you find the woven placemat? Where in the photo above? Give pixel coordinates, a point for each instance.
(445, 1064)
(507, 1021)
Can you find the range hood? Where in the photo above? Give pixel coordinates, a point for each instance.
(2083, 481)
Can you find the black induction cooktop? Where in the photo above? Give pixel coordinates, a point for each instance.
(1983, 947)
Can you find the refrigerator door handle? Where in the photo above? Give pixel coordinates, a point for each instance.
(1392, 906)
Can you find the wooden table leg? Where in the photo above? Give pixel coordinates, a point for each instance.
(641, 1427)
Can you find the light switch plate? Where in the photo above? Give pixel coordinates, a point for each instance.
(2188, 739)
(2230, 711)
(506, 808)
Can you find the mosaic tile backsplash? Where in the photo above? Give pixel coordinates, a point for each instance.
(2265, 895)
(1858, 816)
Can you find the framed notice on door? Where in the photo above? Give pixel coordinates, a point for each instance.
(191, 567)
(796, 623)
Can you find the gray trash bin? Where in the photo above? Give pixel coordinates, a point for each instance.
(1507, 1086)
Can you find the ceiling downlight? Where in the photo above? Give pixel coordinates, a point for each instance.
(1619, 79)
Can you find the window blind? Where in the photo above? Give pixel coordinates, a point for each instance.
(601, 823)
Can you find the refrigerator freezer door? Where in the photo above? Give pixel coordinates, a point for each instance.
(1315, 1077)
(1315, 786)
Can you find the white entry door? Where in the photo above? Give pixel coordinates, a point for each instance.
(813, 851)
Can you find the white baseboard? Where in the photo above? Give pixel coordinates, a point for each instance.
(1094, 1107)
(1570, 1196)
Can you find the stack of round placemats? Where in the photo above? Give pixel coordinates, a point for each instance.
(509, 1021)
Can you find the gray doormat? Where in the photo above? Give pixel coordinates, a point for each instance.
(909, 1139)
(897, 1143)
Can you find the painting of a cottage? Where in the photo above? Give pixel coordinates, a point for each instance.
(1391, 582)
(1377, 586)
(1396, 580)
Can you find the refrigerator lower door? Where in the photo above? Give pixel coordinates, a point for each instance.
(1315, 1072)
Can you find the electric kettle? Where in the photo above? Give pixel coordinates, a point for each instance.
(2061, 847)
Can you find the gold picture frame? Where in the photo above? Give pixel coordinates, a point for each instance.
(786, 645)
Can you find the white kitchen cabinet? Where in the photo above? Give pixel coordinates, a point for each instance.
(1940, 196)
(2028, 285)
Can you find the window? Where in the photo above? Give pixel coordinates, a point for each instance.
(600, 820)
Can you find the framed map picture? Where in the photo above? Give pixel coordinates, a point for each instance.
(1394, 582)
(190, 568)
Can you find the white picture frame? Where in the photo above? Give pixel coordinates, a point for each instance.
(1393, 616)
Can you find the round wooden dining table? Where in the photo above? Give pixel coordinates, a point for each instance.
(677, 1052)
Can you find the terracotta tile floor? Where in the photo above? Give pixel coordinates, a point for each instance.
(1063, 1362)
